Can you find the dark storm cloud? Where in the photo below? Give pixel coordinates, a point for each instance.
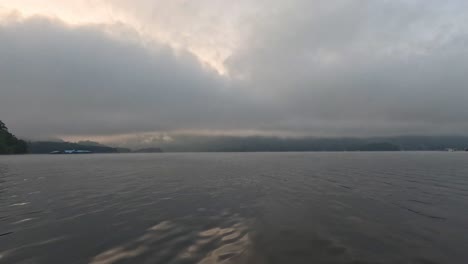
(58, 80)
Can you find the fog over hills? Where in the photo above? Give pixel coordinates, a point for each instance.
(190, 143)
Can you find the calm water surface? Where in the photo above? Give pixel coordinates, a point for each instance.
(235, 208)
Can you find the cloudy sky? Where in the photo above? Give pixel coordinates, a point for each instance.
(115, 69)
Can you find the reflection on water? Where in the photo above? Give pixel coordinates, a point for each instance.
(184, 242)
(235, 208)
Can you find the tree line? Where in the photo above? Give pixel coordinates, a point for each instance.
(9, 143)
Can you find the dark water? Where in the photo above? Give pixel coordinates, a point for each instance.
(235, 208)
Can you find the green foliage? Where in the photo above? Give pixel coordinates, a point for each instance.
(2, 126)
(9, 144)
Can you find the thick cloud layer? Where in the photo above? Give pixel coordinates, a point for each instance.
(362, 67)
(333, 68)
(58, 80)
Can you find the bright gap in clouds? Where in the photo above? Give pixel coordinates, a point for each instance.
(208, 29)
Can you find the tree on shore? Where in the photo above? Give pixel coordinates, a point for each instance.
(9, 144)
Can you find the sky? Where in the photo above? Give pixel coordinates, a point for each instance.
(120, 70)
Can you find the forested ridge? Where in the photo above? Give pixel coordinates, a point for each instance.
(9, 143)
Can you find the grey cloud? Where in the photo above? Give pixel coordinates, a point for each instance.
(362, 67)
(333, 68)
(58, 80)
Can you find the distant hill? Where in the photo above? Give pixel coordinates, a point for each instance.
(9, 144)
(45, 147)
(182, 143)
(90, 143)
(429, 142)
(263, 143)
(379, 146)
(148, 150)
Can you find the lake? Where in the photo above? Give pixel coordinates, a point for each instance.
(402, 207)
